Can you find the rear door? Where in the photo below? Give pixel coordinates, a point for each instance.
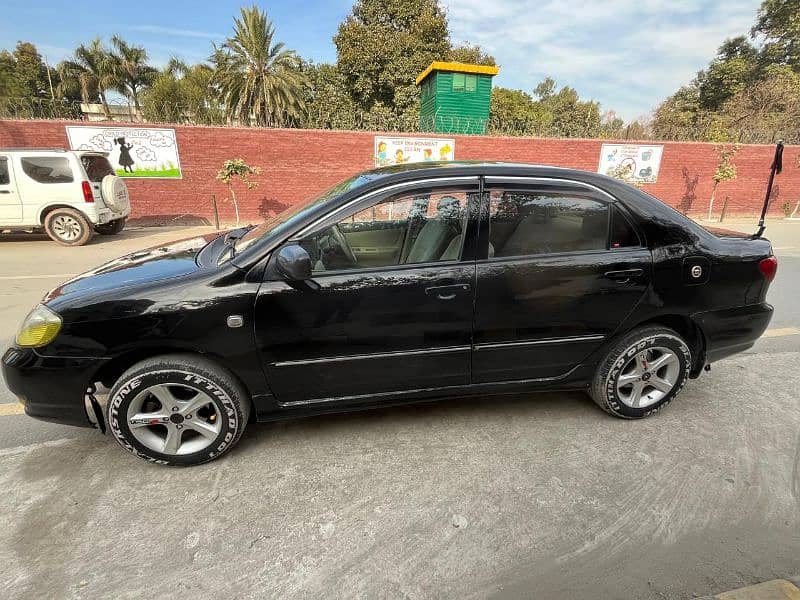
(393, 312)
(46, 179)
(563, 267)
(10, 203)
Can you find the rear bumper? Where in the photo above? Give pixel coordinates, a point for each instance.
(50, 388)
(732, 330)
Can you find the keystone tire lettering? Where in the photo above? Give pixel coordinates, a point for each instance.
(466, 280)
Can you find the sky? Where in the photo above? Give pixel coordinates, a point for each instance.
(627, 54)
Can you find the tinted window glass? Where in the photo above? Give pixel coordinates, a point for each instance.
(5, 179)
(47, 169)
(623, 235)
(470, 83)
(525, 223)
(96, 167)
(406, 229)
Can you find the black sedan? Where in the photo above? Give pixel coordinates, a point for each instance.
(400, 284)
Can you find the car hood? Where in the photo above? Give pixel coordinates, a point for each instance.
(174, 259)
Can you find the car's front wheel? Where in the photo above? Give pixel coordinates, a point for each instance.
(177, 410)
(641, 372)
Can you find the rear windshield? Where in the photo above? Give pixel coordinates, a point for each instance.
(96, 167)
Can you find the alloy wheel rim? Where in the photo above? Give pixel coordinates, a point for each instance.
(67, 228)
(648, 377)
(174, 419)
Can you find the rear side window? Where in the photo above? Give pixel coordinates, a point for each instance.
(5, 179)
(47, 169)
(623, 235)
(96, 167)
(526, 223)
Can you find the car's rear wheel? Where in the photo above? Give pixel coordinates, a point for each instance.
(112, 227)
(177, 410)
(68, 227)
(642, 372)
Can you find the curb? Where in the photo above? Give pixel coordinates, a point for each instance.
(776, 589)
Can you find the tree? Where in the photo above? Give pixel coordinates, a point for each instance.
(328, 105)
(726, 171)
(778, 21)
(679, 116)
(131, 73)
(383, 45)
(473, 55)
(233, 170)
(260, 79)
(91, 71)
(734, 67)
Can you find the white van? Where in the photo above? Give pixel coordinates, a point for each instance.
(71, 194)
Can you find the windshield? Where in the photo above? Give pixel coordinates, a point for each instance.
(284, 221)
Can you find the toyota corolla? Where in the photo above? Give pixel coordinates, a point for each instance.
(401, 284)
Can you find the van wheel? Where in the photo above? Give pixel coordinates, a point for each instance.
(177, 410)
(642, 372)
(68, 227)
(112, 227)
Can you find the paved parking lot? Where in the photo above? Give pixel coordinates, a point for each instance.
(523, 496)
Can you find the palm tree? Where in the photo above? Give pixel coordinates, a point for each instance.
(91, 71)
(132, 74)
(260, 80)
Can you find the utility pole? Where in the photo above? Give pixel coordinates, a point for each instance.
(49, 79)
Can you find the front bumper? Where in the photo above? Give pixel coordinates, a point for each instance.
(732, 330)
(51, 388)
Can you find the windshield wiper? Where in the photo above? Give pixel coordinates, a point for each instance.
(229, 242)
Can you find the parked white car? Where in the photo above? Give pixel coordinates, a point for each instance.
(71, 194)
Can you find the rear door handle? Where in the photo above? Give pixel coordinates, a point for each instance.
(447, 292)
(5, 191)
(623, 276)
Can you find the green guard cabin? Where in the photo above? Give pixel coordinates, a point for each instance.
(455, 97)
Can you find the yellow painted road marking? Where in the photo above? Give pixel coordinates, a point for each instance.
(777, 589)
(781, 332)
(11, 408)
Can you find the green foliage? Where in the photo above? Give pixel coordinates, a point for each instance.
(383, 45)
(260, 79)
(235, 169)
(726, 170)
(470, 54)
(130, 71)
(23, 73)
(778, 22)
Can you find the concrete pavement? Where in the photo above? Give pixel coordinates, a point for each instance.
(527, 496)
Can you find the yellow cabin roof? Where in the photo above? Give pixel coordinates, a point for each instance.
(457, 67)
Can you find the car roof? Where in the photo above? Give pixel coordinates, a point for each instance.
(59, 150)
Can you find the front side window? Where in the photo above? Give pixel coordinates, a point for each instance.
(528, 223)
(47, 169)
(406, 229)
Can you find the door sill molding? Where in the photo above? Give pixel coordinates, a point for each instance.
(395, 354)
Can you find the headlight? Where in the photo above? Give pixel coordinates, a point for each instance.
(39, 328)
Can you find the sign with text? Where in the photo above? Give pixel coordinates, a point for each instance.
(641, 162)
(399, 150)
(133, 152)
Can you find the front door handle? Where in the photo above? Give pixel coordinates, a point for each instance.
(447, 292)
(623, 276)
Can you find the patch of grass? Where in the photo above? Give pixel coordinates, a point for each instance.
(173, 173)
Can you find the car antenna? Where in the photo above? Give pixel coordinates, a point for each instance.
(775, 169)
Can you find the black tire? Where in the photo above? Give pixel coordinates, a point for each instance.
(112, 227)
(68, 227)
(605, 390)
(181, 372)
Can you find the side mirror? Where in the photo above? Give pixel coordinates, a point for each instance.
(294, 263)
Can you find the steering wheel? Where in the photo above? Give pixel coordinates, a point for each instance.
(342, 242)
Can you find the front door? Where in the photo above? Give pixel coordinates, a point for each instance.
(563, 268)
(393, 311)
(10, 202)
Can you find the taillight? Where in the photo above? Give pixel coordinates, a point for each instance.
(88, 196)
(768, 267)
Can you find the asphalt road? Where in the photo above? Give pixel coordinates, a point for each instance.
(527, 496)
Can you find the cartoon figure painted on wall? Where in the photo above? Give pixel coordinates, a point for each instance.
(445, 152)
(125, 158)
(427, 154)
(382, 159)
(399, 157)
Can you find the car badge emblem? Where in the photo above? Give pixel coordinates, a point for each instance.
(697, 271)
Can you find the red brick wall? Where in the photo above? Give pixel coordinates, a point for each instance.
(298, 164)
